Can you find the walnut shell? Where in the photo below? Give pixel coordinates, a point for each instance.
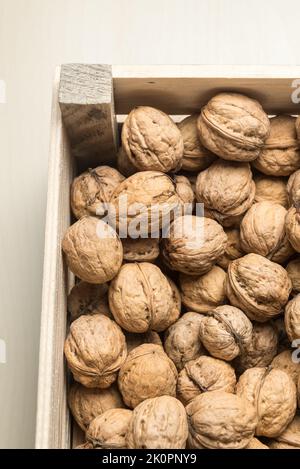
(258, 286)
(182, 341)
(220, 420)
(292, 226)
(290, 438)
(134, 340)
(141, 298)
(284, 361)
(108, 430)
(158, 423)
(88, 403)
(140, 250)
(124, 164)
(93, 188)
(271, 189)
(281, 153)
(293, 270)
(95, 349)
(225, 332)
(226, 189)
(261, 349)
(93, 250)
(151, 140)
(292, 318)
(147, 372)
(263, 232)
(195, 156)
(233, 126)
(233, 249)
(293, 189)
(205, 292)
(202, 375)
(273, 393)
(194, 244)
(256, 444)
(185, 193)
(88, 298)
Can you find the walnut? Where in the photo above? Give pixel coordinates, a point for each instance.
(88, 403)
(233, 249)
(134, 340)
(108, 430)
(292, 318)
(95, 349)
(194, 244)
(182, 342)
(263, 232)
(151, 140)
(93, 250)
(256, 444)
(124, 164)
(220, 420)
(202, 375)
(226, 189)
(147, 372)
(140, 250)
(195, 156)
(293, 270)
(225, 332)
(280, 155)
(292, 226)
(258, 286)
(233, 126)
(205, 292)
(293, 189)
(141, 298)
(91, 189)
(271, 189)
(185, 193)
(158, 423)
(273, 393)
(290, 438)
(284, 361)
(88, 298)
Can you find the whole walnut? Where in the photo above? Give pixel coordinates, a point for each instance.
(93, 250)
(108, 430)
(140, 250)
(182, 342)
(225, 332)
(233, 249)
(220, 420)
(293, 270)
(134, 340)
(293, 189)
(158, 423)
(185, 193)
(263, 232)
(292, 318)
(290, 438)
(205, 292)
(256, 444)
(226, 189)
(95, 349)
(141, 298)
(147, 372)
(93, 188)
(87, 403)
(151, 140)
(273, 393)
(88, 298)
(261, 350)
(233, 126)
(280, 155)
(258, 286)
(271, 189)
(195, 156)
(124, 164)
(194, 244)
(202, 375)
(284, 361)
(292, 226)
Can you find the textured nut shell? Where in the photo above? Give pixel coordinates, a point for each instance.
(147, 372)
(92, 258)
(283, 361)
(293, 270)
(271, 189)
(291, 435)
(292, 318)
(258, 286)
(220, 420)
(273, 393)
(124, 164)
(141, 298)
(95, 349)
(233, 249)
(205, 292)
(233, 126)
(292, 226)
(140, 250)
(108, 431)
(225, 332)
(158, 423)
(87, 403)
(202, 375)
(194, 244)
(134, 340)
(182, 342)
(256, 444)
(185, 193)
(88, 298)
(293, 189)
(93, 188)
(281, 153)
(263, 232)
(151, 140)
(195, 156)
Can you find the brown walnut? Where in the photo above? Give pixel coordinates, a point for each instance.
(292, 226)
(293, 189)
(292, 318)
(108, 430)
(185, 192)
(293, 270)
(271, 189)
(284, 361)
(88, 298)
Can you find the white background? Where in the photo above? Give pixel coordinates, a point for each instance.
(35, 35)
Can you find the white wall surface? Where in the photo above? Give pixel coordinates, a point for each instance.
(36, 35)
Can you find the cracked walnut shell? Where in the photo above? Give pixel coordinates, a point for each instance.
(292, 318)
(271, 189)
(292, 226)
(88, 298)
(233, 249)
(293, 270)
(108, 430)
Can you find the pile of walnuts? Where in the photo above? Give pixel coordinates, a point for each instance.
(186, 336)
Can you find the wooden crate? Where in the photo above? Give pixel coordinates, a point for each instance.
(86, 101)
